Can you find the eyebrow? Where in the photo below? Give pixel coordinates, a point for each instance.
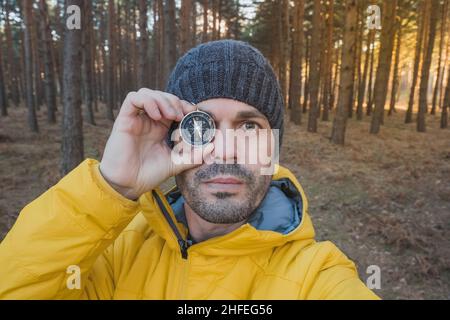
(212, 116)
(241, 114)
(250, 114)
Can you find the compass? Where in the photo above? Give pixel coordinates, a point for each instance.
(197, 128)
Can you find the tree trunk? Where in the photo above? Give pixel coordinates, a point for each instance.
(49, 76)
(307, 72)
(370, 84)
(59, 26)
(446, 104)
(36, 49)
(72, 129)
(111, 77)
(314, 73)
(143, 45)
(335, 78)
(363, 82)
(295, 83)
(421, 14)
(185, 25)
(357, 56)
(156, 45)
(219, 19)
(27, 13)
(425, 72)
(205, 21)
(194, 24)
(283, 43)
(170, 53)
(13, 68)
(104, 61)
(119, 58)
(439, 72)
(3, 97)
(328, 68)
(384, 64)
(87, 70)
(346, 74)
(395, 80)
(161, 32)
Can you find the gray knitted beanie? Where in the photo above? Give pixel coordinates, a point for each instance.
(229, 69)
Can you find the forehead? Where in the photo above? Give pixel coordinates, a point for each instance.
(223, 108)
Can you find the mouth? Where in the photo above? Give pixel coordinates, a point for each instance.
(224, 183)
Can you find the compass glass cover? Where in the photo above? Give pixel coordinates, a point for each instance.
(197, 128)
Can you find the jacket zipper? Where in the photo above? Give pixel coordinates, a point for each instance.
(183, 243)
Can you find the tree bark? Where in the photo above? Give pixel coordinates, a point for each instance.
(49, 75)
(439, 71)
(36, 40)
(328, 68)
(370, 84)
(111, 76)
(205, 21)
(170, 53)
(314, 73)
(384, 64)
(87, 70)
(28, 57)
(143, 45)
(395, 80)
(13, 73)
(421, 14)
(295, 83)
(363, 82)
(346, 76)
(425, 72)
(283, 43)
(307, 72)
(3, 97)
(185, 25)
(446, 104)
(72, 128)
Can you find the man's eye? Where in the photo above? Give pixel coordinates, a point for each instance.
(250, 126)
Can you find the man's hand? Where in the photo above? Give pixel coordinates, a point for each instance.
(136, 157)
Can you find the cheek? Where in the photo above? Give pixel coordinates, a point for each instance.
(255, 150)
(185, 179)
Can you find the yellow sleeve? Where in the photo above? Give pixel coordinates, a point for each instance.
(338, 279)
(74, 223)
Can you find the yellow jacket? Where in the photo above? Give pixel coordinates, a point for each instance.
(130, 250)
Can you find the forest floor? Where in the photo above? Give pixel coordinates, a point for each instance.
(383, 199)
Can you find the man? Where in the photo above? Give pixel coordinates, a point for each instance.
(226, 231)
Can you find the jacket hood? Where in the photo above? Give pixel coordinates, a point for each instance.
(281, 217)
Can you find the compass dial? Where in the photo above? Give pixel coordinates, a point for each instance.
(197, 128)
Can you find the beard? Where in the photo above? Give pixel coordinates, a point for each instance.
(223, 207)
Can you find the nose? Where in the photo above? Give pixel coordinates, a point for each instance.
(225, 149)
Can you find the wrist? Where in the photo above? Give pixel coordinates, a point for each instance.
(126, 192)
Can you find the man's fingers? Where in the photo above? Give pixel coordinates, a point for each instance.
(174, 103)
(152, 110)
(156, 104)
(187, 106)
(129, 106)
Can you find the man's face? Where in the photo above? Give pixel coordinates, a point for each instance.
(230, 186)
